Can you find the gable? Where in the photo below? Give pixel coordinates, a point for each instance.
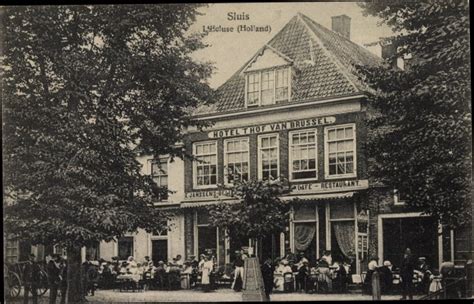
(324, 66)
(265, 59)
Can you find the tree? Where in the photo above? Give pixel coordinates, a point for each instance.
(260, 211)
(420, 118)
(85, 90)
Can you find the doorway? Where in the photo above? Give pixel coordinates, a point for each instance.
(420, 234)
(159, 251)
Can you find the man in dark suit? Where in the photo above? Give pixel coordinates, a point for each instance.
(54, 279)
(267, 275)
(31, 278)
(407, 269)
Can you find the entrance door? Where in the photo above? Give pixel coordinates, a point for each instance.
(420, 234)
(269, 247)
(159, 251)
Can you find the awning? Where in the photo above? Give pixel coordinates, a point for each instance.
(207, 203)
(321, 196)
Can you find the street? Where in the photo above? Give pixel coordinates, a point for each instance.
(220, 295)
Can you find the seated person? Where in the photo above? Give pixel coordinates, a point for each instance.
(303, 273)
(287, 276)
(324, 273)
(340, 280)
(123, 268)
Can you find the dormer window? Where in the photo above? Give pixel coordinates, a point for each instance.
(268, 87)
(267, 78)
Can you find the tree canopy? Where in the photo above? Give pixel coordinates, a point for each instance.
(85, 90)
(420, 117)
(259, 212)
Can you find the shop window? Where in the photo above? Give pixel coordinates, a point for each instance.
(268, 87)
(304, 212)
(159, 173)
(305, 225)
(236, 159)
(342, 210)
(342, 222)
(205, 165)
(340, 151)
(303, 155)
(125, 247)
(207, 235)
(268, 158)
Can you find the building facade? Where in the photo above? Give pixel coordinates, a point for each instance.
(296, 109)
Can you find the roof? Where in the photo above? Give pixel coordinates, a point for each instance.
(324, 63)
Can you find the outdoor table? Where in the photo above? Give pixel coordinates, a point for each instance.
(185, 280)
(126, 280)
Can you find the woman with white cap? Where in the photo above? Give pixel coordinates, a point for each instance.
(386, 276)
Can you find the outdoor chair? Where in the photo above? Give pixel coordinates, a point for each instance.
(289, 282)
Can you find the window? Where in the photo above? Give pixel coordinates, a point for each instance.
(268, 87)
(11, 251)
(206, 235)
(268, 82)
(268, 157)
(397, 199)
(205, 165)
(303, 155)
(281, 85)
(159, 173)
(236, 159)
(253, 89)
(340, 151)
(125, 247)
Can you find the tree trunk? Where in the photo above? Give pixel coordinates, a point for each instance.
(75, 291)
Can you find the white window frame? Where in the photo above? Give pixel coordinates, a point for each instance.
(226, 182)
(160, 160)
(326, 152)
(290, 155)
(259, 158)
(259, 73)
(195, 185)
(396, 198)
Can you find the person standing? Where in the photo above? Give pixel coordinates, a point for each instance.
(63, 283)
(407, 269)
(386, 277)
(424, 271)
(371, 267)
(54, 277)
(31, 277)
(238, 273)
(207, 267)
(267, 275)
(85, 271)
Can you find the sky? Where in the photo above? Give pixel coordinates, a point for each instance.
(229, 51)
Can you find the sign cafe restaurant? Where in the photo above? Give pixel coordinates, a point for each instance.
(296, 110)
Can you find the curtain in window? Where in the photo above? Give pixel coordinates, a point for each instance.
(345, 233)
(304, 234)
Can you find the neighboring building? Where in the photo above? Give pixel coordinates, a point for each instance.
(295, 109)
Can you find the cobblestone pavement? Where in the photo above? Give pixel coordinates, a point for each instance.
(220, 295)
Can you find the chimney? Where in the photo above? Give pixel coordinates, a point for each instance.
(342, 25)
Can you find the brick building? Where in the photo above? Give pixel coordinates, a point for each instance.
(295, 109)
